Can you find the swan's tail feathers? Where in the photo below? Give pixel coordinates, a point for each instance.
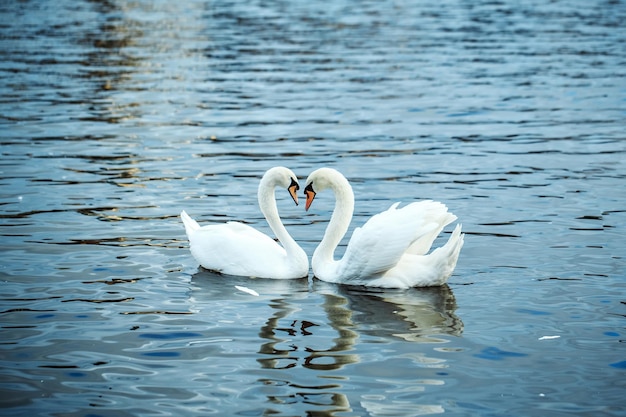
(447, 256)
(190, 224)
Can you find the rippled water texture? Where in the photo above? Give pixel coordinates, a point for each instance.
(116, 115)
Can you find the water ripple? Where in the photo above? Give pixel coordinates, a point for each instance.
(117, 115)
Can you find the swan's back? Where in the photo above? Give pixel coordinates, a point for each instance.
(235, 248)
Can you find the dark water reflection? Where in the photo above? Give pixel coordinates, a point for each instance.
(314, 339)
(116, 115)
(413, 316)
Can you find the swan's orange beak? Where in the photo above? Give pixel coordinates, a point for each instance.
(310, 195)
(293, 191)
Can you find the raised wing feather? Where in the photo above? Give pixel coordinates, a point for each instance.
(378, 245)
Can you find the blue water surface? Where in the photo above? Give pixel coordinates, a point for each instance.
(116, 115)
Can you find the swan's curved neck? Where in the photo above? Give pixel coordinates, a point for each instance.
(267, 204)
(339, 221)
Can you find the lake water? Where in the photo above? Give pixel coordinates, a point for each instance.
(116, 115)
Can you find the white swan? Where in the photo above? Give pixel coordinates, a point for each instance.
(390, 250)
(235, 248)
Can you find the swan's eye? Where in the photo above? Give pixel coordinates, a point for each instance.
(294, 183)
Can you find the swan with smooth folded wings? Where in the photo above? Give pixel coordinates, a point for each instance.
(234, 248)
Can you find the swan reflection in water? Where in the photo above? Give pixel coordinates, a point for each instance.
(316, 334)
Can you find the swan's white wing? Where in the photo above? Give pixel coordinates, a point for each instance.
(381, 242)
(424, 270)
(437, 216)
(237, 249)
